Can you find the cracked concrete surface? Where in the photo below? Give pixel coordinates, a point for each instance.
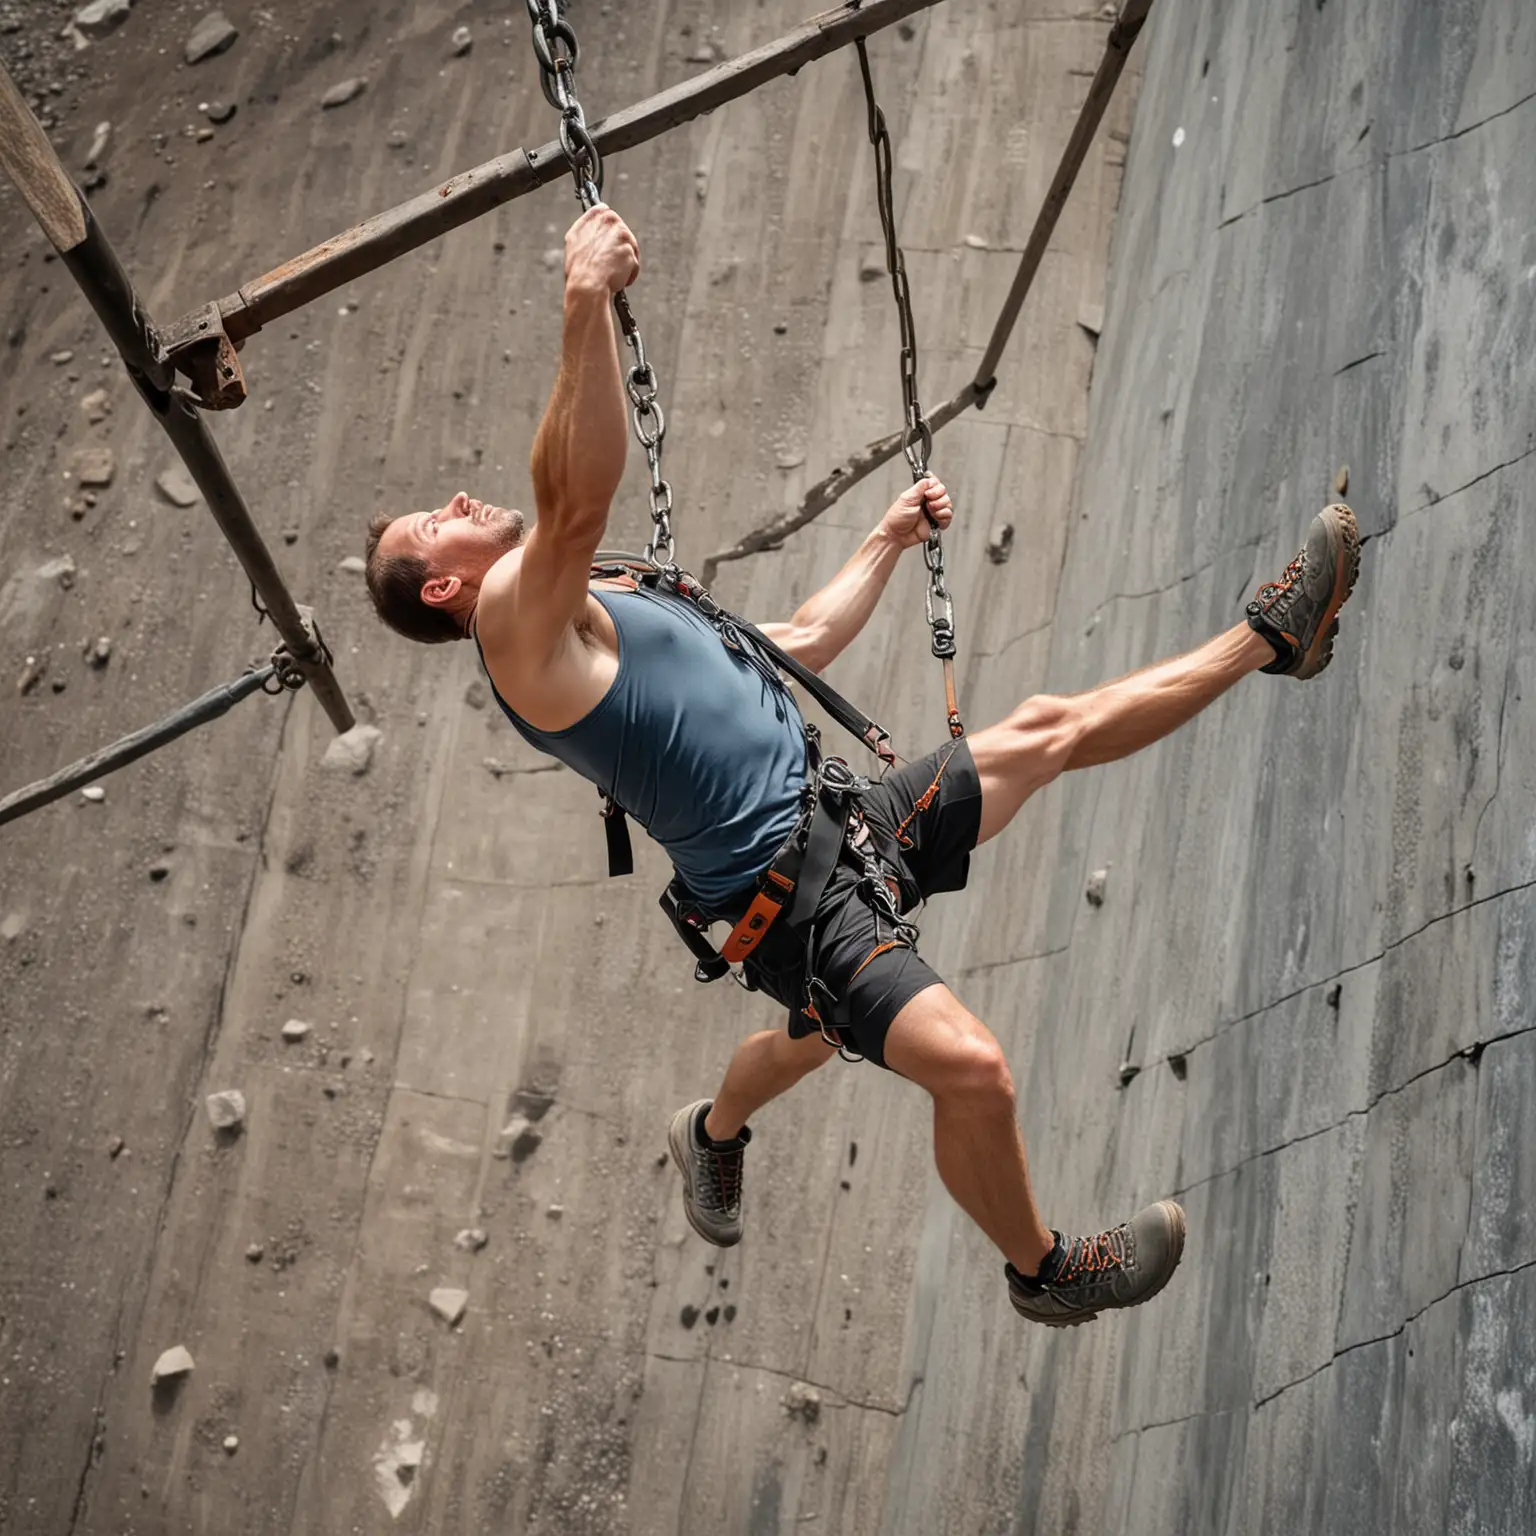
(1319, 930)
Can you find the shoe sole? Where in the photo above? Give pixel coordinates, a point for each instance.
(1341, 523)
(1180, 1227)
(679, 1143)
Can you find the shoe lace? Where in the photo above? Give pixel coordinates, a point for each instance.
(1093, 1255)
(722, 1177)
(1293, 573)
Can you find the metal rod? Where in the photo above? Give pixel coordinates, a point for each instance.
(858, 466)
(32, 162)
(209, 706)
(831, 488)
(1116, 50)
(380, 239)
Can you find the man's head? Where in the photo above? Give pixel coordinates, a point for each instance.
(425, 568)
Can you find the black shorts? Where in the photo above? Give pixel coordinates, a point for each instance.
(924, 818)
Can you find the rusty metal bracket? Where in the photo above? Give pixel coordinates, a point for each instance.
(202, 350)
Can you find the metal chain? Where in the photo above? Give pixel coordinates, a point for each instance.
(556, 49)
(917, 443)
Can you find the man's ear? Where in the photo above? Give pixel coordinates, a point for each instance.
(440, 590)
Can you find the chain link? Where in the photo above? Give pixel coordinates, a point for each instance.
(557, 50)
(917, 443)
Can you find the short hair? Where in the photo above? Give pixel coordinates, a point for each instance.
(395, 583)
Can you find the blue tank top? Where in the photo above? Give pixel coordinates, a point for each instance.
(698, 747)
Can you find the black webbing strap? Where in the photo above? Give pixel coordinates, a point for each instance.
(852, 720)
(823, 848)
(621, 853)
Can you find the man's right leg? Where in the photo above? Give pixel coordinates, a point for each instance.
(940, 1045)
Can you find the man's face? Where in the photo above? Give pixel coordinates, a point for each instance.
(464, 539)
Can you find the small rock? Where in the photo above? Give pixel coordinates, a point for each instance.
(408, 1455)
(213, 34)
(352, 751)
(522, 1138)
(94, 793)
(178, 487)
(906, 31)
(58, 359)
(175, 1362)
(471, 1240)
(1094, 891)
(790, 460)
(343, 92)
(97, 406)
(332, 1359)
(780, 328)
(32, 673)
(462, 41)
(99, 653)
(115, 1148)
(158, 871)
(397, 139)
(872, 269)
(977, 242)
(219, 111)
(1091, 319)
(553, 259)
(203, 135)
(226, 1109)
(231, 1444)
(94, 465)
(555, 1212)
(1333, 994)
(295, 1030)
(707, 52)
(101, 17)
(255, 1253)
(803, 1401)
(1341, 481)
(353, 565)
(449, 1304)
(12, 928)
(688, 1316)
(1000, 543)
(476, 695)
(60, 569)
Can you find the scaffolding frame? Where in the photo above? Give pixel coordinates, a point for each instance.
(202, 345)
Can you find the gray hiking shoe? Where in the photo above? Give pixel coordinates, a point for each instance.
(711, 1176)
(1299, 614)
(1123, 1267)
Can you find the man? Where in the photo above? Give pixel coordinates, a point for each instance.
(703, 744)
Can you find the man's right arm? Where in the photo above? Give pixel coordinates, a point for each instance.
(579, 449)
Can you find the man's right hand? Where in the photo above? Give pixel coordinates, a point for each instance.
(601, 252)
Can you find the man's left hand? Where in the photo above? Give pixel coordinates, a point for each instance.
(917, 511)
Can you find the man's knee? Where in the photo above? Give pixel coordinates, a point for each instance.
(1048, 728)
(974, 1068)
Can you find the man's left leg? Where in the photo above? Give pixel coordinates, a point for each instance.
(1290, 630)
(1050, 734)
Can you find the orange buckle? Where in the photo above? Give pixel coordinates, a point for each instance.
(759, 917)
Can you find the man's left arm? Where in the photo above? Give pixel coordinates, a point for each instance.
(825, 624)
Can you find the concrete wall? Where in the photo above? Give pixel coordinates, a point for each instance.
(1333, 267)
(1319, 940)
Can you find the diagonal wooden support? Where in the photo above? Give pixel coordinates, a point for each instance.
(865, 461)
(66, 219)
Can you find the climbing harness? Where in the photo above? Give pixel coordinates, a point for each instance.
(918, 442)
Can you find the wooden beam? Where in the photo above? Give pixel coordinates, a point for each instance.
(379, 240)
